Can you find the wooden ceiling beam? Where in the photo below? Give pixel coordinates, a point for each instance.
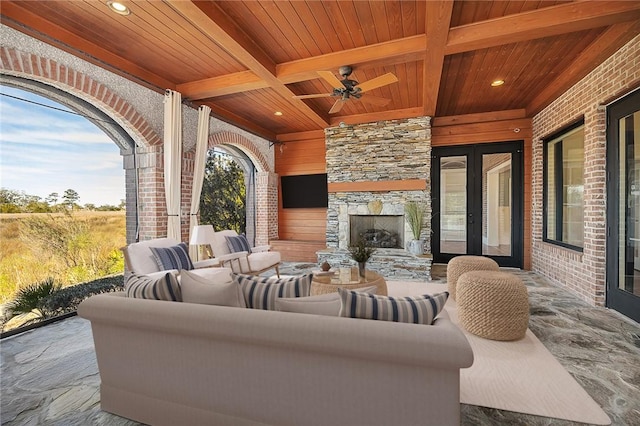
(229, 117)
(377, 116)
(213, 22)
(380, 54)
(223, 85)
(604, 46)
(481, 117)
(41, 29)
(539, 23)
(437, 22)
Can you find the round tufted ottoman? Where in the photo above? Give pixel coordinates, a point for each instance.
(461, 264)
(493, 305)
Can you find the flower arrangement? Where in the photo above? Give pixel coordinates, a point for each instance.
(415, 214)
(361, 252)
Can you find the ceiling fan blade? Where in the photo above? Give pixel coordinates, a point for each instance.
(330, 78)
(374, 100)
(374, 83)
(337, 106)
(318, 95)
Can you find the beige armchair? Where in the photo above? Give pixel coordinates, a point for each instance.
(253, 262)
(140, 260)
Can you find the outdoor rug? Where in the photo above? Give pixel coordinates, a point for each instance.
(521, 376)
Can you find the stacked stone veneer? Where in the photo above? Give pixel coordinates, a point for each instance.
(390, 150)
(583, 273)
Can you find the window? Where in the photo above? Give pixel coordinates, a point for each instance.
(563, 176)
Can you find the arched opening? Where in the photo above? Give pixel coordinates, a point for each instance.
(246, 206)
(70, 222)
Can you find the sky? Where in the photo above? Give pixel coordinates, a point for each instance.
(44, 151)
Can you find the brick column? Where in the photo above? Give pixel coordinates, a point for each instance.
(152, 208)
(266, 207)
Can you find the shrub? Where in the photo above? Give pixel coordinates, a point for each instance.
(40, 301)
(32, 299)
(67, 299)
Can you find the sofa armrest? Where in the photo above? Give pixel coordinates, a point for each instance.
(207, 263)
(232, 256)
(259, 249)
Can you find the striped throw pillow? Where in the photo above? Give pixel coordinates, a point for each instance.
(163, 288)
(238, 243)
(410, 309)
(176, 257)
(262, 292)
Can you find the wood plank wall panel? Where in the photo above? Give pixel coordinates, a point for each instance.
(302, 232)
(497, 127)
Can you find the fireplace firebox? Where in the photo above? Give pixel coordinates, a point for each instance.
(380, 231)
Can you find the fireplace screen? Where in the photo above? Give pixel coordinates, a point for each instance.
(385, 231)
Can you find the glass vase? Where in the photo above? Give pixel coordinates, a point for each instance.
(361, 270)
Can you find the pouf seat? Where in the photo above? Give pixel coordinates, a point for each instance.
(493, 305)
(461, 264)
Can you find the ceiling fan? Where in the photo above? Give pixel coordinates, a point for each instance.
(346, 88)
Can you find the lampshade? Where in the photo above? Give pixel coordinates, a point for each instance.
(201, 234)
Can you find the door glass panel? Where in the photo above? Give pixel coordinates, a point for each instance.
(629, 221)
(453, 204)
(496, 204)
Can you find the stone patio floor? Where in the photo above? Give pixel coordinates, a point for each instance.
(49, 375)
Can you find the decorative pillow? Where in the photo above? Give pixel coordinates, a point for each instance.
(412, 309)
(196, 289)
(261, 292)
(145, 287)
(323, 304)
(176, 257)
(238, 243)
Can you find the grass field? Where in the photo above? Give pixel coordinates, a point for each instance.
(71, 249)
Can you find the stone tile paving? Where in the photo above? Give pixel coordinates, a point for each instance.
(49, 376)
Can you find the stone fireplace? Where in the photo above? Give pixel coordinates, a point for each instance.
(373, 170)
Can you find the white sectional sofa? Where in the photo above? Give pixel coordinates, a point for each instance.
(173, 363)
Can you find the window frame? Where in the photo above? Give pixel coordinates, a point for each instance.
(559, 190)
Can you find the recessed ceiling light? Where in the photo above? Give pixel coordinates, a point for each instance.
(495, 83)
(278, 113)
(118, 8)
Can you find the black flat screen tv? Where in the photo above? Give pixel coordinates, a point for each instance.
(304, 191)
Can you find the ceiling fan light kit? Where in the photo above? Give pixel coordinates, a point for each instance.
(346, 88)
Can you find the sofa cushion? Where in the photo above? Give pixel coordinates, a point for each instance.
(212, 275)
(323, 304)
(219, 242)
(411, 309)
(165, 287)
(238, 243)
(174, 257)
(261, 292)
(139, 257)
(207, 291)
(264, 260)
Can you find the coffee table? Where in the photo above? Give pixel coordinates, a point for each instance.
(347, 278)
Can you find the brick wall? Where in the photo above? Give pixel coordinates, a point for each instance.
(582, 273)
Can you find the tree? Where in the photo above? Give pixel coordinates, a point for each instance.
(52, 198)
(222, 203)
(70, 198)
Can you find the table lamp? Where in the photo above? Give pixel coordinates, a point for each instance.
(202, 235)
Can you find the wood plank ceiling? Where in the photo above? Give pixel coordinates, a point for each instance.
(248, 59)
